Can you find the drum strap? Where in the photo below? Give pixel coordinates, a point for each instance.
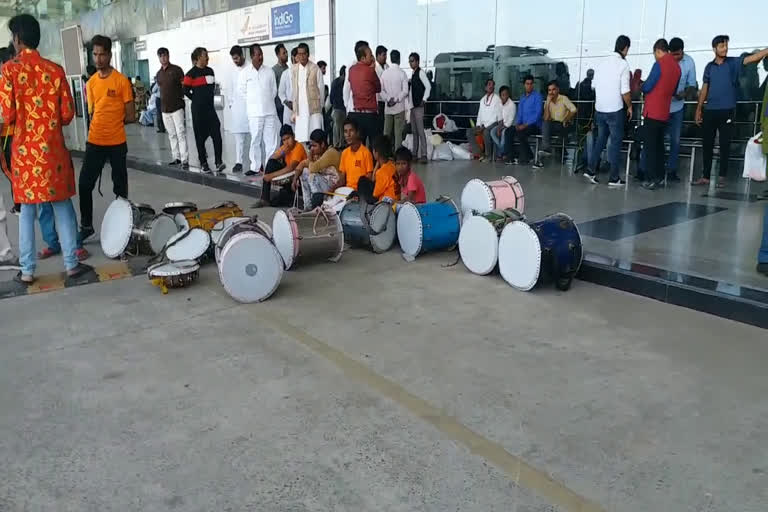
(161, 255)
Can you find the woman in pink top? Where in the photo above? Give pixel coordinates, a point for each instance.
(411, 186)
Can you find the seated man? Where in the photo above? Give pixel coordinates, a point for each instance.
(356, 160)
(488, 117)
(318, 174)
(557, 119)
(411, 186)
(508, 112)
(282, 163)
(527, 123)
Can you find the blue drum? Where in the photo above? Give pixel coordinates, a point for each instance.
(376, 228)
(428, 227)
(546, 251)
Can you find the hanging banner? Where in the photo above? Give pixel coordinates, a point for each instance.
(249, 25)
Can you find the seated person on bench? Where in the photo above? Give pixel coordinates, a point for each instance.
(318, 174)
(559, 112)
(384, 174)
(282, 163)
(356, 160)
(411, 186)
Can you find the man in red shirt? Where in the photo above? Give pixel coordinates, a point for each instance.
(365, 84)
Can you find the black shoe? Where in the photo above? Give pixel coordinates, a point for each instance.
(205, 169)
(618, 182)
(545, 152)
(673, 177)
(762, 268)
(592, 177)
(174, 163)
(640, 177)
(220, 167)
(237, 168)
(86, 232)
(185, 166)
(160, 131)
(537, 165)
(251, 173)
(653, 185)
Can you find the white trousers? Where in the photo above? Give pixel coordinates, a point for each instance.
(177, 134)
(5, 244)
(240, 147)
(264, 130)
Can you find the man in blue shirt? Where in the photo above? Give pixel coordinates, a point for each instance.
(720, 91)
(527, 122)
(686, 88)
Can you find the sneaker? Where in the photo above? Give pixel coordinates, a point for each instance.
(220, 167)
(251, 172)
(763, 194)
(10, 263)
(86, 232)
(185, 166)
(15, 211)
(82, 254)
(762, 268)
(174, 163)
(591, 177)
(617, 182)
(537, 165)
(205, 169)
(653, 185)
(260, 203)
(545, 152)
(237, 168)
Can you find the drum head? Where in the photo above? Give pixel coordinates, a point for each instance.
(116, 228)
(162, 229)
(410, 231)
(479, 245)
(251, 267)
(284, 237)
(477, 197)
(519, 255)
(188, 245)
(220, 227)
(337, 201)
(179, 207)
(384, 221)
(177, 268)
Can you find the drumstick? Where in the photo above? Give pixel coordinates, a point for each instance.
(335, 194)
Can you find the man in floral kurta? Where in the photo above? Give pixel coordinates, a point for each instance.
(34, 95)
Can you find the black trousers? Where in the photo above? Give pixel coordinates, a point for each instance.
(7, 143)
(369, 126)
(653, 134)
(206, 124)
(381, 116)
(526, 155)
(266, 186)
(159, 116)
(717, 121)
(93, 163)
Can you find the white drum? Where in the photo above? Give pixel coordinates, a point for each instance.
(479, 240)
(125, 227)
(161, 229)
(175, 274)
(189, 244)
(250, 267)
(479, 196)
(314, 235)
(220, 227)
(520, 256)
(249, 224)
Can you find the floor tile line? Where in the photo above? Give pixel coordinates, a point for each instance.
(514, 467)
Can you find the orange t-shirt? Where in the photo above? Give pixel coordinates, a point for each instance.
(385, 183)
(106, 103)
(356, 164)
(297, 154)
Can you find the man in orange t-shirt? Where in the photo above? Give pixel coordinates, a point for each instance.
(356, 160)
(110, 103)
(282, 164)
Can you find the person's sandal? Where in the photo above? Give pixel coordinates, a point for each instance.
(19, 278)
(700, 181)
(47, 253)
(720, 184)
(82, 254)
(80, 270)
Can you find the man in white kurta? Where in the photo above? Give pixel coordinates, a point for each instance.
(308, 95)
(238, 108)
(285, 91)
(257, 83)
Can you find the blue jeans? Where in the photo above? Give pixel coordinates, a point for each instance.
(762, 254)
(66, 221)
(611, 123)
(674, 128)
(48, 227)
(498, 140)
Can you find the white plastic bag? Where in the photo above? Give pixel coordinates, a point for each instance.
(754, 159)
(459, 153)
(448, 124)
(442, 152)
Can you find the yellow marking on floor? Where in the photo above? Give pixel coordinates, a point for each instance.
(515, 468)
(47, 283)
(112, 271)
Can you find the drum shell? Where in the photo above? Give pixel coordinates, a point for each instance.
(256, 226)
(318, 240)
(142, 222)
(561, 247)
(355, 232)
(441, 224)
(207, 219)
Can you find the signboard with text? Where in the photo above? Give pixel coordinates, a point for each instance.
(286, 20)
(249, 25)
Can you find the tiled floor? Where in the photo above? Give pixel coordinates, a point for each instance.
(683, 229)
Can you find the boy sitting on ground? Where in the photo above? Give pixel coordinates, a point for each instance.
(411, 187)
(384, 174)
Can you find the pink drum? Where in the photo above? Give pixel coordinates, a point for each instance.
(481, 197)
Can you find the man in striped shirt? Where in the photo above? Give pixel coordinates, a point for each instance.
(199, 87)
